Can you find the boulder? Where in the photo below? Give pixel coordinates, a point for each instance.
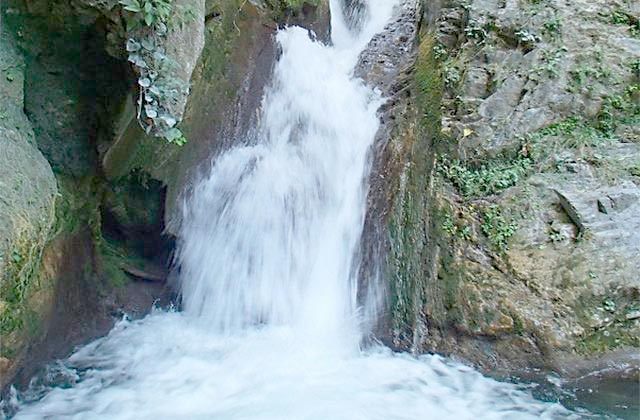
(27, 196)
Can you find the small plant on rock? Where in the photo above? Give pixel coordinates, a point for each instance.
(146, 12)
(550, 60)
(491, 178)
(620, 17)
(497, 228)
(552, 27)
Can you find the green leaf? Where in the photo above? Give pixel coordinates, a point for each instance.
(131, 5)
(133, 9)
(147, 44)
(148, 19)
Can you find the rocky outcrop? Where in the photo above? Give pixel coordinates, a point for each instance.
(28, 189)
(506, 212)
(103, 249)
(388, 63)
(539, 102)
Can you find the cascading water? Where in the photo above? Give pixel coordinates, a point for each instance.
(270, 327)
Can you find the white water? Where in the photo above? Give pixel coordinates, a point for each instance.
(270, 327)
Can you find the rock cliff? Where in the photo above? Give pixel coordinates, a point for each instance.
(502, 218)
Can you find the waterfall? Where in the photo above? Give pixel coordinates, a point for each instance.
(269, 237)
(271, 328)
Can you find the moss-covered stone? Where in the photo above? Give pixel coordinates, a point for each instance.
(410, 252)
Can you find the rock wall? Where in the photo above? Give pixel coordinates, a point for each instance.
(27, 206)
(62, 275)
(502, 218)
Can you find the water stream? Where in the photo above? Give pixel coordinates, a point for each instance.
(270, 327)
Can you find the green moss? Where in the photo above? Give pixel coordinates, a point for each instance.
(607, 340)
(518, 324)
(135, 200)
(77, 205)
(449, 278)
(112, 259)
(21, 279)
(428, 86)
(408, 262)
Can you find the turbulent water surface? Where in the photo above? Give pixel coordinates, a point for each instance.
(270, 327)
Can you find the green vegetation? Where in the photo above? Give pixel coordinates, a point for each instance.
(147, 12)
(112, 258)
(456, 228)
(572, 132)
(491, 178)
(614, 317)
(635, 68)
(526, 38)
(497, 228)
(284, 8)
(158, 83)
(620, 109)
(576, 132)
(157, 86)
(552, 27)
(77, 205)
(555, 235)
(583, 74)
(21, 278)
(478, 32)
(550, 60)
(621, 17)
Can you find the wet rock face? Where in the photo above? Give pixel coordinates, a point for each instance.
(60, 282)
(391, 52)
(388, 65)
(117, 186)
